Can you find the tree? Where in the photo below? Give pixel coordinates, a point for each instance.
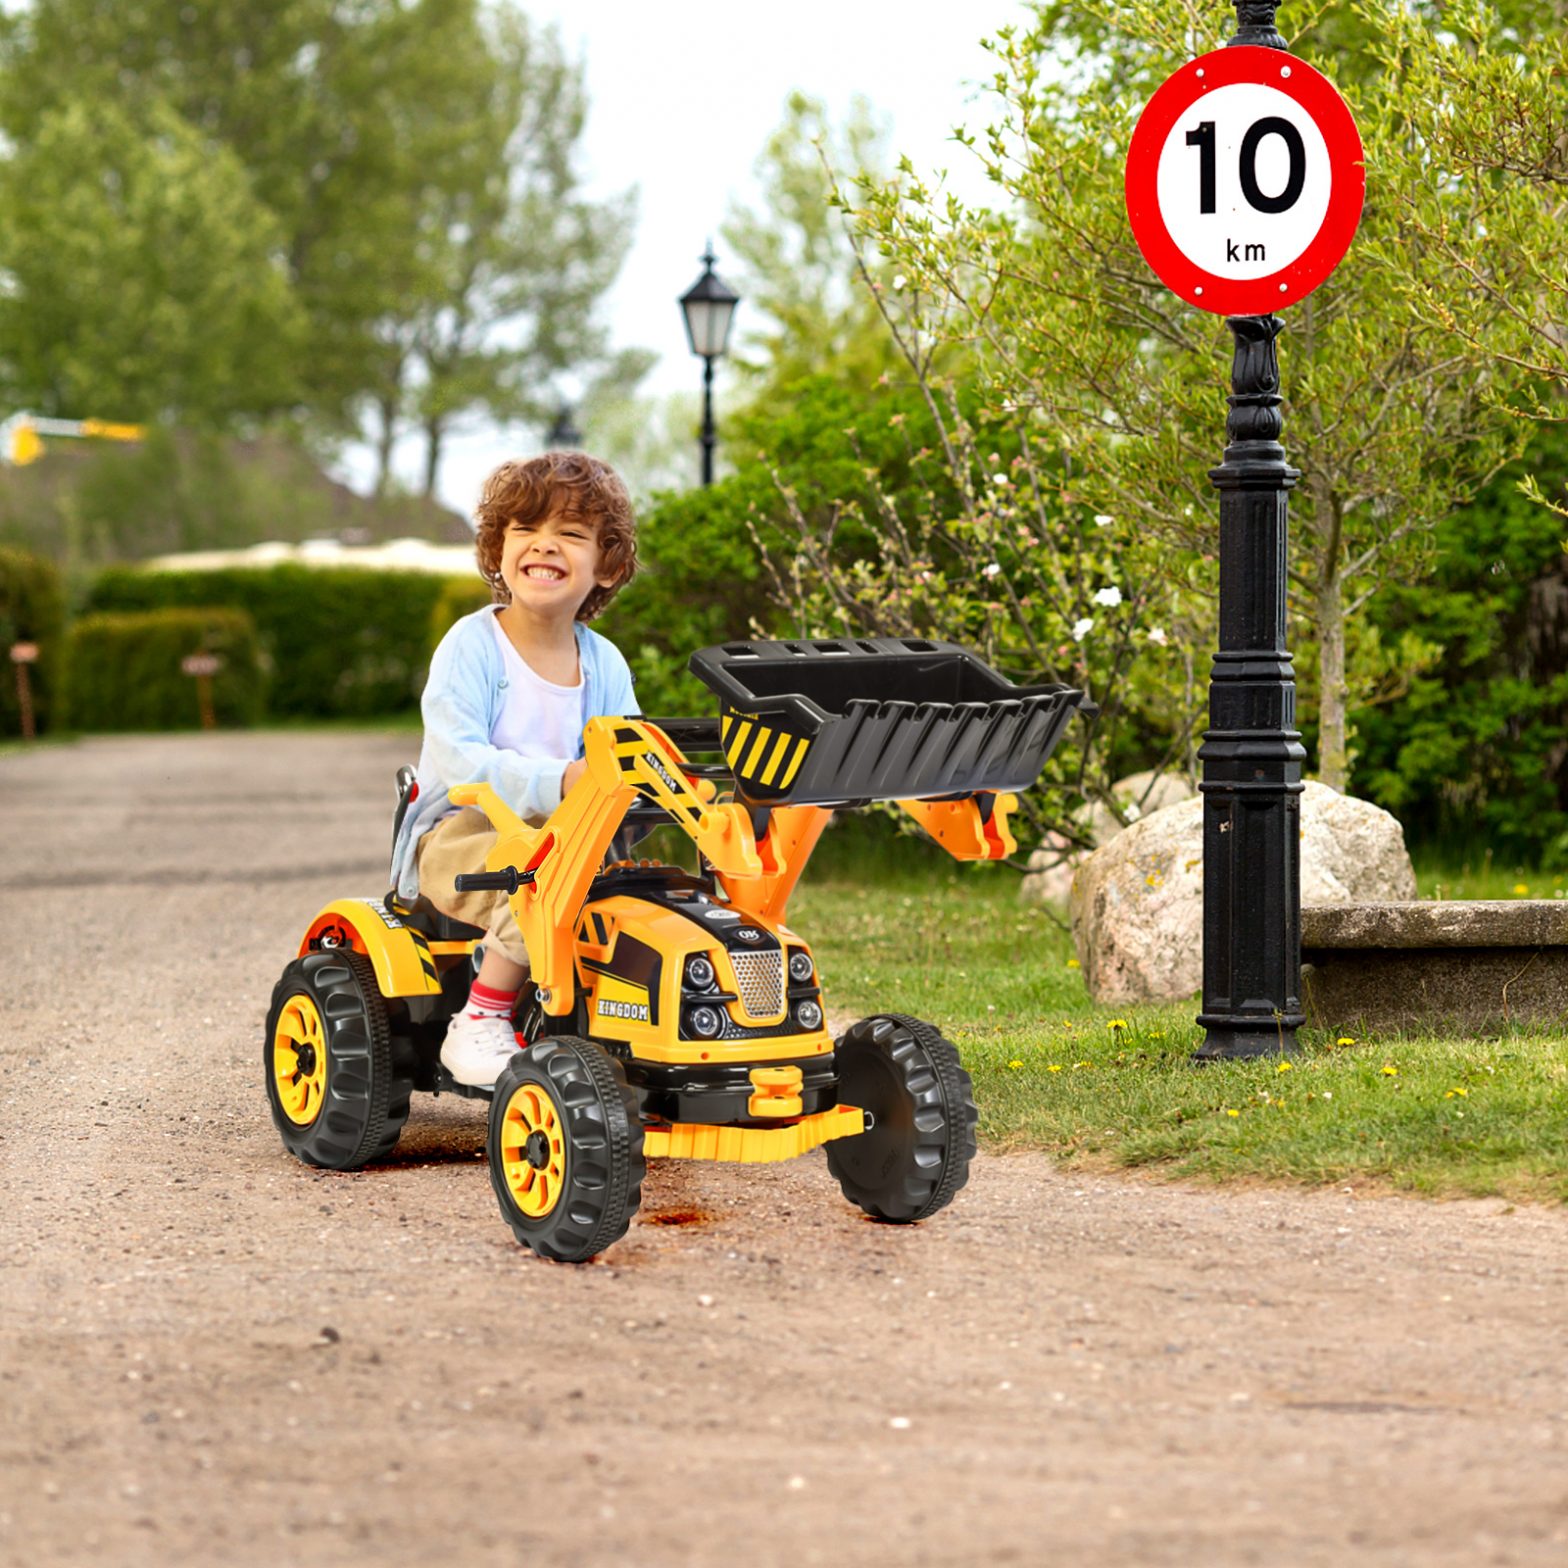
(144, 279)
(410, 154)
(1491, 102)
(798, 268)
(1111, 389)
(519, 258)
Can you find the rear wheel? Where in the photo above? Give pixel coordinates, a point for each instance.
(334, 1094)
(916, 1153)
(565, 1149)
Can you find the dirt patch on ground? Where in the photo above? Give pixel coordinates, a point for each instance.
(211, 1353)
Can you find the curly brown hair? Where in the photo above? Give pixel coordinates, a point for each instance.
(568, 485)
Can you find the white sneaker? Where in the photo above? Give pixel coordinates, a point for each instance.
(476, 1049)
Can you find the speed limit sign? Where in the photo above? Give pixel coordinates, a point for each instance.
(1245, 180)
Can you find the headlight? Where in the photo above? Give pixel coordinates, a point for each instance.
(800, 966)
(699, 973)
(704, 1022)
(808, 1015)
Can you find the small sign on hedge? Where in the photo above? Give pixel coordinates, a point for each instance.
(133, 672)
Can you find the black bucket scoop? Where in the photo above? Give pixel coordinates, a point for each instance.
(883, 718)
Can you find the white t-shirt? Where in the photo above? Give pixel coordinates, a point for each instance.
(538, 718)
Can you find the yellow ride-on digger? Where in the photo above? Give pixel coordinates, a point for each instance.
(670, 1013)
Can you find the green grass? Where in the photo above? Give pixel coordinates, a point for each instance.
(1446, 877)
(898, 929)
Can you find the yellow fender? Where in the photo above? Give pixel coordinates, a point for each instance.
(399, 954)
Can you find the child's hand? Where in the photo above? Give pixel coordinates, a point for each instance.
(574, 771)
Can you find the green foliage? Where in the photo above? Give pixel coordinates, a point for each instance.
(1475, 747)
(32, 609)
(699, 584)
(798, 269)
(341, 642)
(717, 562)
(513, 258)
(459, 596)
(351, 199)
(143, 279)
(123, 671)
(1487, 99)
(1101, 394)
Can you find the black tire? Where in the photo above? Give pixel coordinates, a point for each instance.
(565, 1148)
(351, 1111)
(916, 1153)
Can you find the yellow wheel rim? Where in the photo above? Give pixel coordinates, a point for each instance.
(533, 1150)
(299, 1060)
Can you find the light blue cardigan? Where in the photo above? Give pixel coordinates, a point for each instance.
(464, 693)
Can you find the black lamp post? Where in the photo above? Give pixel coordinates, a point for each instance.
(708, 306)
(563, 432)
(1252, 752)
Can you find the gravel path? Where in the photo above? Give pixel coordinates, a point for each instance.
(210, 1353)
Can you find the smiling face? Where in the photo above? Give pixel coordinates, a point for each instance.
(550, 567)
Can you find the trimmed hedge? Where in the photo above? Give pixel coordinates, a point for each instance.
(342, 642)
(122, 672)
(32, 609)
(461, 596)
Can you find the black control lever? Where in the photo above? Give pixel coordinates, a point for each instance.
(506, 881)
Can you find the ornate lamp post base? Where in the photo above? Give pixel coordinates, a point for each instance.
(1252, 753)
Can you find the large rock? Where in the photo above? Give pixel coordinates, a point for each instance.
(1137, 901)
(1053, 865)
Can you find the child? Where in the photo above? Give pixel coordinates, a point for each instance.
(509, 690)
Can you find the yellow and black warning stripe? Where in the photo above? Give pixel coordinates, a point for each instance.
(761, 754)
(422, 950)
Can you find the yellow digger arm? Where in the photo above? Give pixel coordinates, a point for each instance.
(555, 863)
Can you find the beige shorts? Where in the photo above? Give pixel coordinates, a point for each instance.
(457, 844)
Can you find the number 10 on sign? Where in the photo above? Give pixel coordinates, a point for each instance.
(1245, 181)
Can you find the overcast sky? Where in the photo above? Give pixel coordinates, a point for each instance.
(681, 99)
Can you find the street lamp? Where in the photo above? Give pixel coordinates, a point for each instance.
(708, 306)
(563, 433)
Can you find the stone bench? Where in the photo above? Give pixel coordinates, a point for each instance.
(1467, 967)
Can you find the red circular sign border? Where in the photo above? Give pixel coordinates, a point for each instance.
(1347, 172)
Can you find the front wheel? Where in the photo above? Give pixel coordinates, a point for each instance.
(565, 1148)
(916, 1153)
(327, 1054)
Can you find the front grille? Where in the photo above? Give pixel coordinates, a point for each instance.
(760, 978)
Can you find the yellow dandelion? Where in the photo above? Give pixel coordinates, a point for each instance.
(1463, 1094)
(1284, 1067)
(1233, 1113)
(1083, 1064)
(1521, 888)
(1055, 1067)
(1346, 1039)
(1390, 1072)
(1015, 1064)
(1072, 963)
(1117, 1023)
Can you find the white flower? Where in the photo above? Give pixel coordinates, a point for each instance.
(1081, 629)
(1157, 636)
(899, 280)
(990, 569)
(1102, 519)
(1109, 597)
